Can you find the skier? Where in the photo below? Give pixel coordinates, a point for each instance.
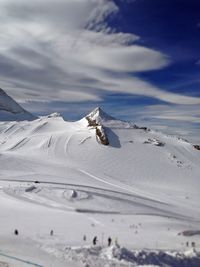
(16, 232)
(84, 238)
(109, 241)
(51, 233)
(94, 240)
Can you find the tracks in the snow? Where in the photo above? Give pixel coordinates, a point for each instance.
(99, 200)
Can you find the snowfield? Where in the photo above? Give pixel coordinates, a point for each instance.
(141, 189)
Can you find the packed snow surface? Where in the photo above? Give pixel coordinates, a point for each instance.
(60, 187)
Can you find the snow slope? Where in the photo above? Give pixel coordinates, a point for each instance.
(11, 110)
(142, 188)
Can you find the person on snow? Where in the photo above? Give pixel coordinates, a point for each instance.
(94, 241)
(109, 241)
(16, 232)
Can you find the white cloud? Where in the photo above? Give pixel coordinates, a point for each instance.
(178, 118)
(51, 50)
(148, 113)
(173, 112)
(125, 58)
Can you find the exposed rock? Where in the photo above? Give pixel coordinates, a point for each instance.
(91, 123)
(196, 147)
(190, 232)
(99, 130)
(54, 115)
(101, 136)
(154, 142)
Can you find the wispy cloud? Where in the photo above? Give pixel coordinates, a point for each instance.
(173, 112)
(65, 50)
(53, 52)
(183, 120)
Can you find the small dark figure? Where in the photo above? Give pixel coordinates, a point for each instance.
(94, 240)
(16, 232)
(187, 244)
(109, 241)
(51, 233)
(193, 244)
(84, 238)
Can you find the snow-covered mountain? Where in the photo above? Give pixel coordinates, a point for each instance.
(132, 155)
(99, 116)
(97, 176)
(10, 110)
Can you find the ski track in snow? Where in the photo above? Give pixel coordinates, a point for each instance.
(146, 206)
(38, 128)
(9, 128)
(136, 193)
(19, 144)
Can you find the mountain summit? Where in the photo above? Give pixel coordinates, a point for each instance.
(99, 116)
(10, 110)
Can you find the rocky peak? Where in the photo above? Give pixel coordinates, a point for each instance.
(98, 115)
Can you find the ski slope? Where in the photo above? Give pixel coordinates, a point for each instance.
(142, 188)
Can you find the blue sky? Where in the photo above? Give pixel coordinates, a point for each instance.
(137, 59)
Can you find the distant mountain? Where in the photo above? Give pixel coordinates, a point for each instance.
(10, 110)
(100, 117)
(111, 149)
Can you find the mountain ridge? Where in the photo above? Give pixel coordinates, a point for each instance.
(10, 110)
